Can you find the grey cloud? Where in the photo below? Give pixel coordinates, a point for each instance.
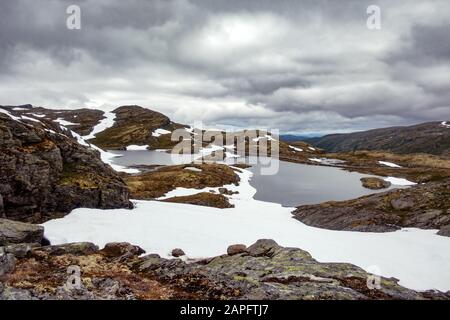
(291, 64)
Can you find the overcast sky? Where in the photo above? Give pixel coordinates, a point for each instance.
(298, 66)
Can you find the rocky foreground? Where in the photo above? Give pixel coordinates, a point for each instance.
(264, 270)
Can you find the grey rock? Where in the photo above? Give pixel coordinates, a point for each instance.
(177, 252)
(76, 248)
(236, 249)
(121, 250)
(9, 293)
(21, 250)
(444, 231)
(263, 247)
(402, 204)
(7, 263)
(18, 232)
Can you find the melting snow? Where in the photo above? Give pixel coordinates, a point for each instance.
(315, 159)
(399, 181)
(389, 164)
(193, 169)
(134, 147)
(296, 149)
(159, 132)
(37, 115)
(104, 124)
(63, 122)
(31, 119)
(444, 123)
(9, 114)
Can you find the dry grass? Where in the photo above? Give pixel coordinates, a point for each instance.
(203, 199)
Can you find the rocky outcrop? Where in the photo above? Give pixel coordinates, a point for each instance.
(423, 206)
(264, 270)
(45, 173)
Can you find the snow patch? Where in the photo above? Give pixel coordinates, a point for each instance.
(159, 132)
(31, 119)
(445, 124)
(37, 115)
(134, 147)
(296, 149)
(193, 169)
(9, 114)
(316, 160)
(104, 124)
(63, 122)
(399, 181)
(389, 164)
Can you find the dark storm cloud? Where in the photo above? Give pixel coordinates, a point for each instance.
(294, 65)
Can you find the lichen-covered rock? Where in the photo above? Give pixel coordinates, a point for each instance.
(18, 232)
(272, 272)
(45, 173)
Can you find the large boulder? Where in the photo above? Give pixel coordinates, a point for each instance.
(45, 173)
(12, 232)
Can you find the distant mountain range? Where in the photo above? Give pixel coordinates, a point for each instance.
(296, 137)
(430, 137)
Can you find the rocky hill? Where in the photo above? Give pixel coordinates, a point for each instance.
(135, 125)
(45, 173)
(431, 137)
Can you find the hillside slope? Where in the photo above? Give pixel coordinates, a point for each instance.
(431, 137)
